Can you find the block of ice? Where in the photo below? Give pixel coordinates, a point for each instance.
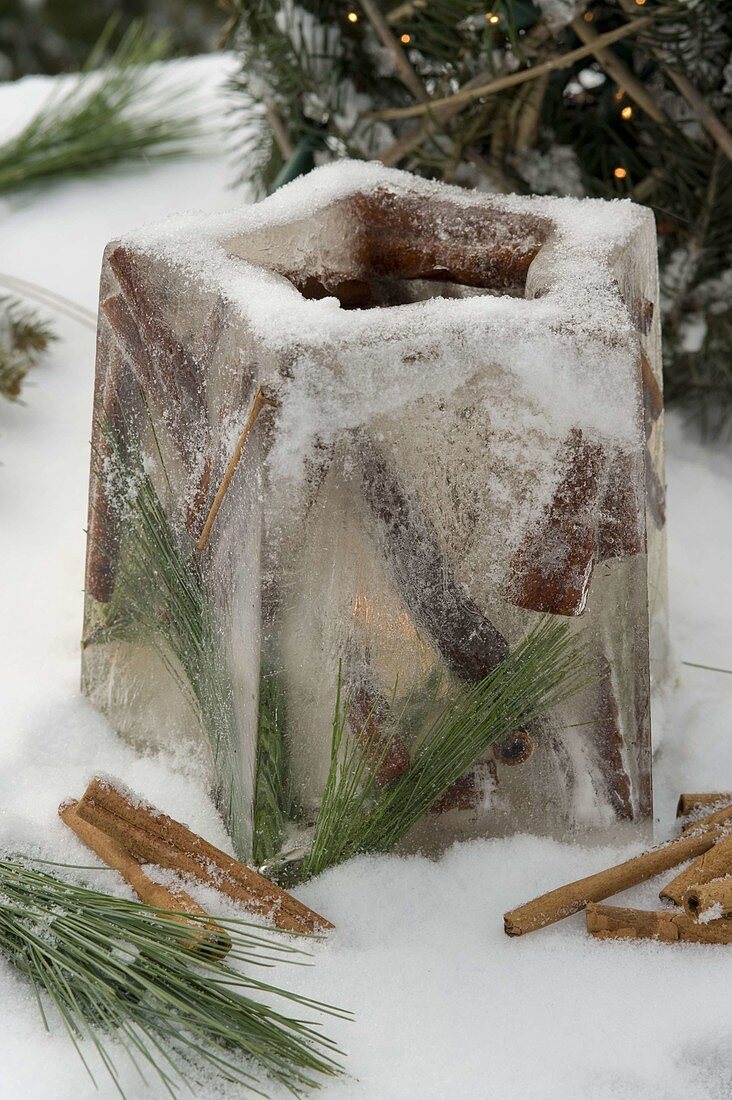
(467, 435)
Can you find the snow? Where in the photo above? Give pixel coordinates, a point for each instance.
(446, 1005)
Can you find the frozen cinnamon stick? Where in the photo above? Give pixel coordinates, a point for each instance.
(710, 900)
(178, 371)
(465, 638)
(570, 899)
(715, 863)
(610, 922)
(157, 838)
(369, 717)
(688, 803)
(552, 569)
(206, 939)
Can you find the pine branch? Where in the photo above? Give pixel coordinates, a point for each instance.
(117, 113)
(358, 816)
(24, 337)
(116, 970)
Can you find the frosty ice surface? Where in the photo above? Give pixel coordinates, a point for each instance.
(467, 436)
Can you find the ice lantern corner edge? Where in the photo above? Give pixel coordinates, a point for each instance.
(470, 437)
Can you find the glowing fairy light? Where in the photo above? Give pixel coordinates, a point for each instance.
(626, 113)
(620, 173)
(406, 39)
(352, 17)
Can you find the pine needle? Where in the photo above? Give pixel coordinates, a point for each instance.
(120, 971)
(271, 799)
(24, 337)
(356, 816)
(160, 598)
(109, 114)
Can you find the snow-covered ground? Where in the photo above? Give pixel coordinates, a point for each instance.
(447, 1008)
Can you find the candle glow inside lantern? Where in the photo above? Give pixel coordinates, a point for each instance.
(459, 431)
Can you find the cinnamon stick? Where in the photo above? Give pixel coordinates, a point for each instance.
(688, 803)
(206, 939)
(713, 864)
(570, 899)
(611, 922)
(718, 817)
(711, 900)
(465, 638)
(157, 838)
(370, 719)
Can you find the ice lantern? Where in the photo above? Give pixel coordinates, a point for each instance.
(467, 436)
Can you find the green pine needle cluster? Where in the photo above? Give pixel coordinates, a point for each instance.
(122, 111)
(120, 974)
(358, 816)
(24, 337)
(271, 797)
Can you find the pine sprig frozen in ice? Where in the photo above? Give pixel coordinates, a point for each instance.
(358, 816)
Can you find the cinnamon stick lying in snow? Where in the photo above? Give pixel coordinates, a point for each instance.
(206, 939)
(611, 922)
(710, 900)
(570, 899)
(718, 817)
(713, 864)
(156, 838)
(690, 802)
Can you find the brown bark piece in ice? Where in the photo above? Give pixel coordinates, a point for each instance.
(120, 411)
(467, 641)
(403, 237)
(369, 719)
(607, 737)
(552, 569)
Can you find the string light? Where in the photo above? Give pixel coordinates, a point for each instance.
(620, 173)
(406, 39)
(588, 16)
(619, 94)
(626, 113)
(640, 3)
(352, 17)
(492, 18)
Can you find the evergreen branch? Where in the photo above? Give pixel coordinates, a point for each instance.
(356, 816)
(24, 337)
(118, 970)
(160, 597)
(113, 114)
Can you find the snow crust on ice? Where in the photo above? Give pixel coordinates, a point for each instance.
(446, 1005)
(565, 346)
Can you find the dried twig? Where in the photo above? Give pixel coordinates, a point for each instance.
(260, 402)
(467, 95)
